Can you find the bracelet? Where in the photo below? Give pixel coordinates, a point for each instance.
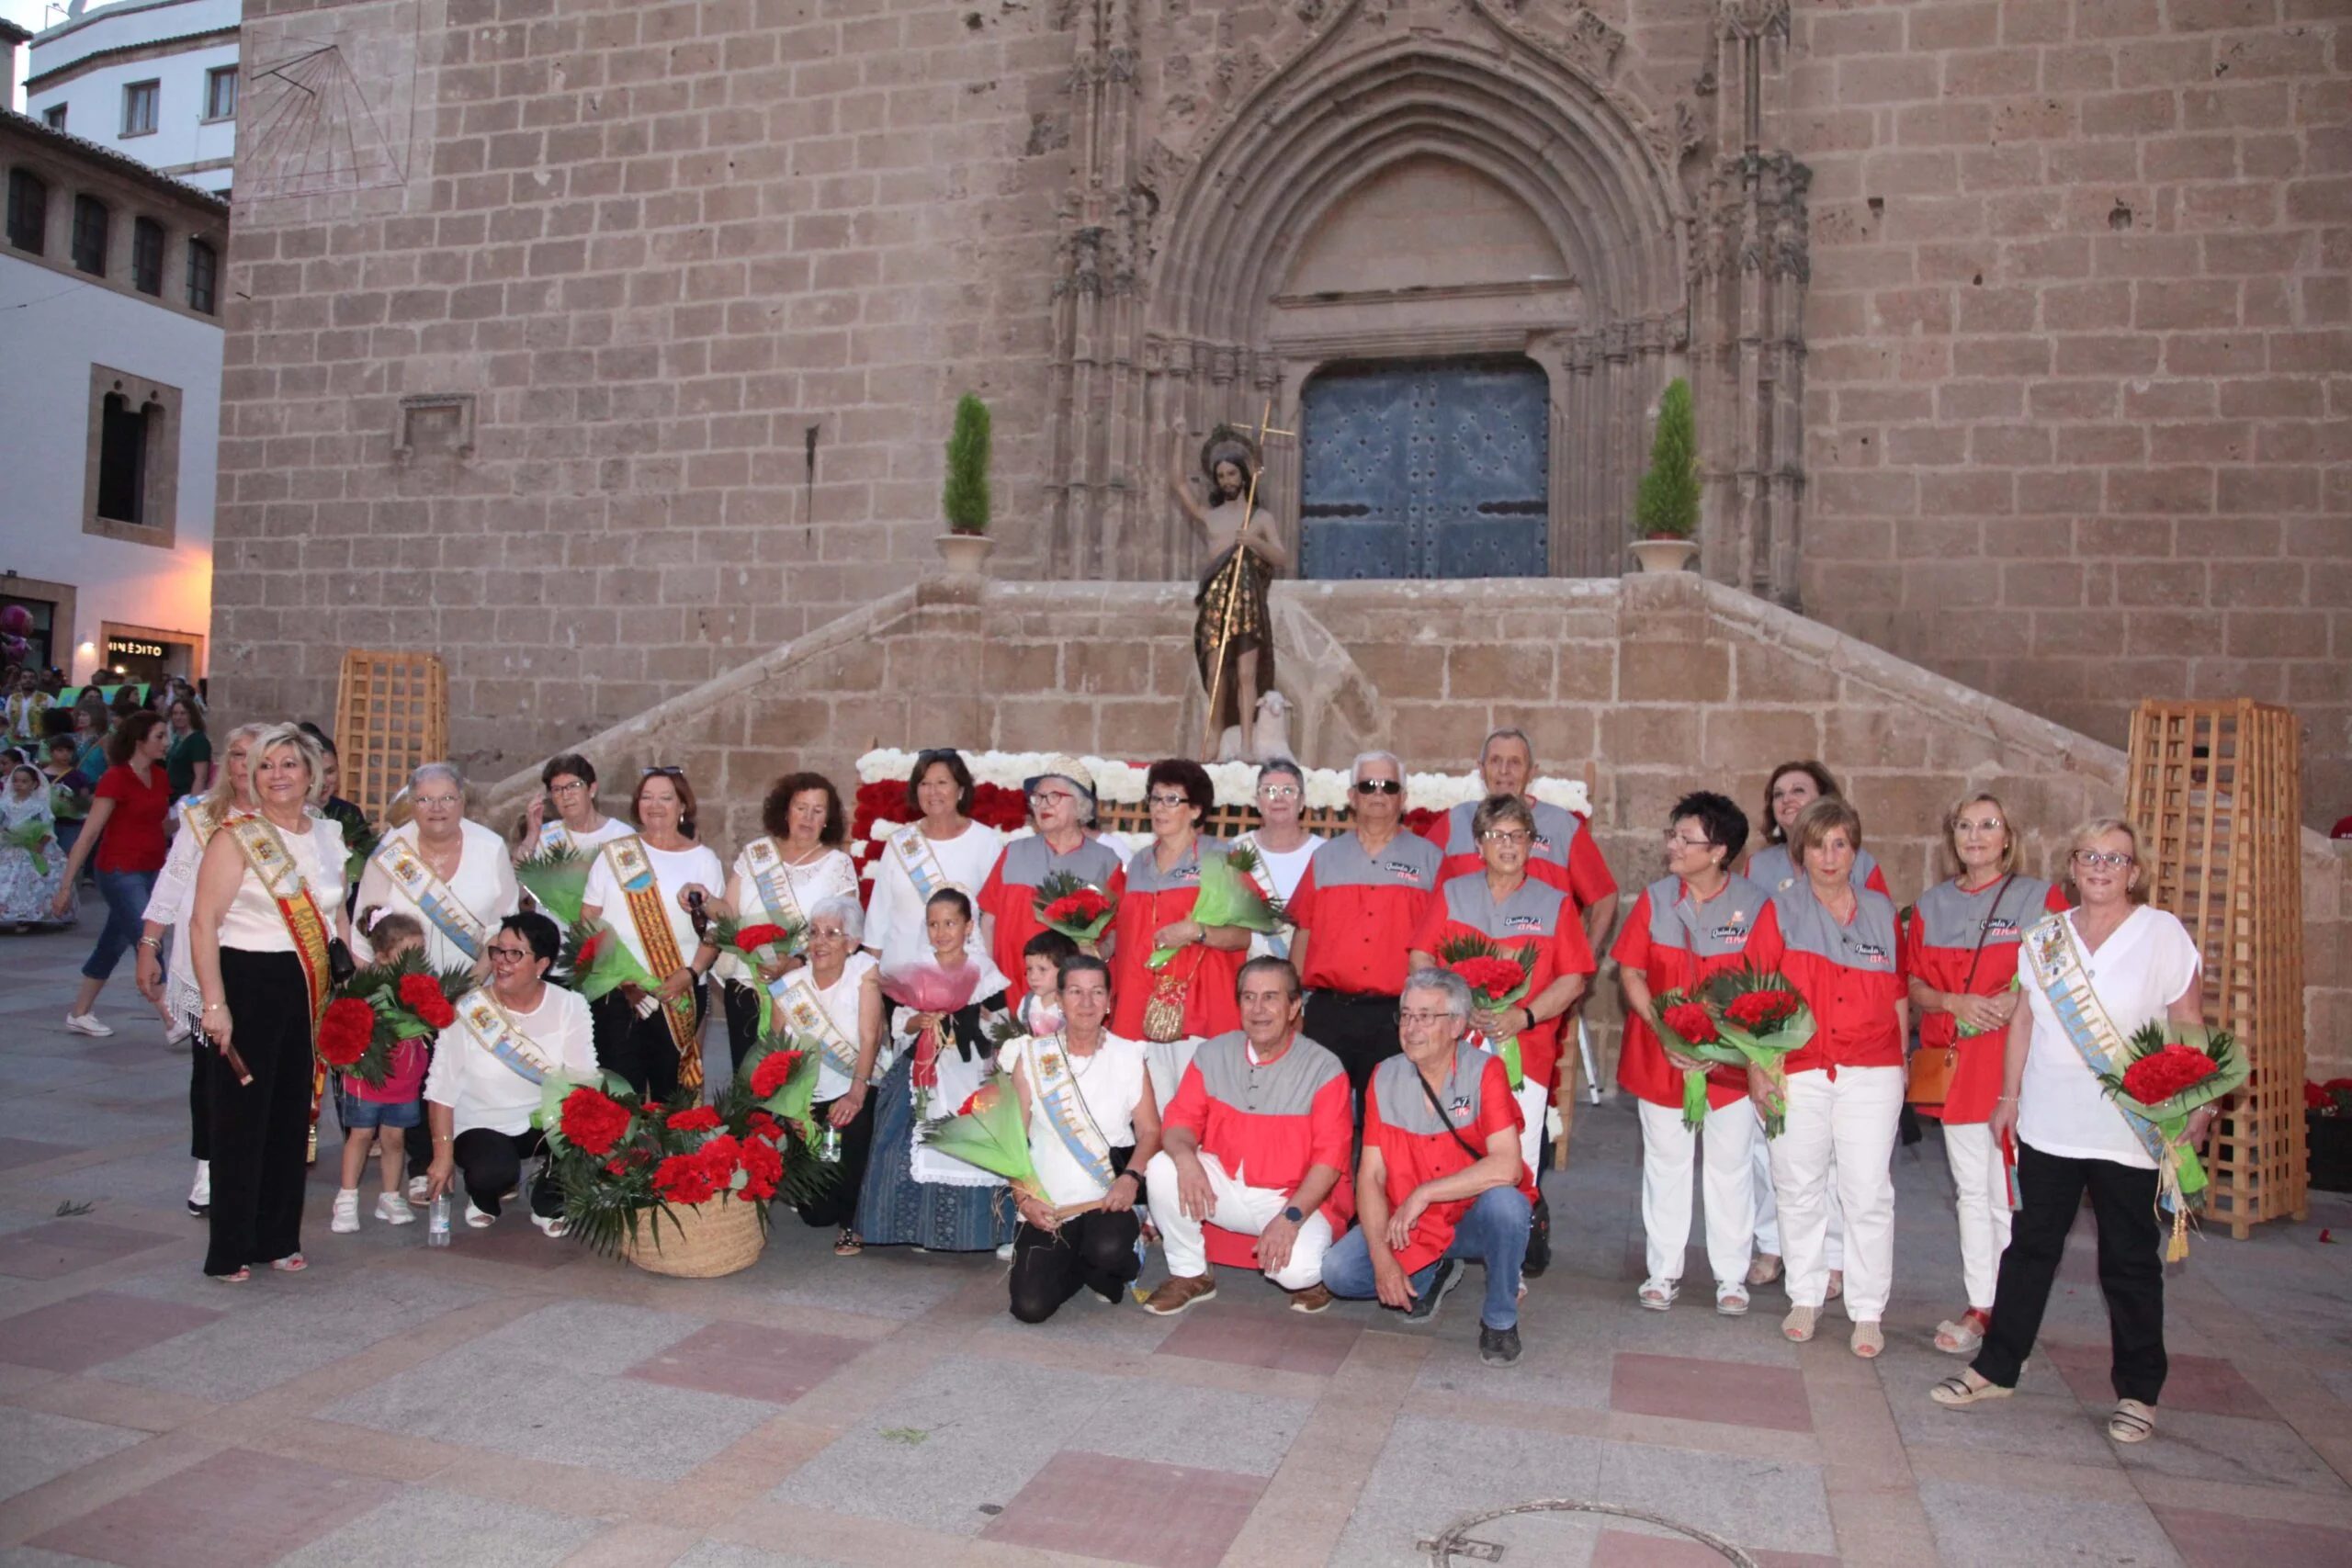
(216, 1007)
(155, 941)
(2006, 1100)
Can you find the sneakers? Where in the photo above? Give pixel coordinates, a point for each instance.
(1731, 1299)
(87, 1023)
(346, 1212)
(199, 1197)
(1498, 1347)
(1314, 1298)
(1004, 1253)
(1179, 1291)
(392, 1209)
(1433, 1294)
(1539, 1240)
(555, 1225)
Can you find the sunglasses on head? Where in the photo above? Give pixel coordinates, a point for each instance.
(1379, 786)
(664, 771)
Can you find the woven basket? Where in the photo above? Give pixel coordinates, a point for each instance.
(703, 1242)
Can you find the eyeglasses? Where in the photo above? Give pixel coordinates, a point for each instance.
(435, 802)
(509, 955)
(1042, 798)
(1674, 838)
(1507, 836)
(1279, 792)
(1419, 1020)
(819, 934)
(569, 786)
(2101, 860)
(1990, 825)
(1379, 786)
(1172, 801)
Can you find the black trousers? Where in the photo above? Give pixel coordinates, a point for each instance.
(742, 1005)
(640, 1048)
(2131, 1268)
(491, 1163)
(417, 1141)
(836, 1204)
(1094, 1251)
(1360, 1028)
(199, 1096)
(261, 1130)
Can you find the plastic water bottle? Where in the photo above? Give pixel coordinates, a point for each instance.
(437, 1222)
(829, 1144)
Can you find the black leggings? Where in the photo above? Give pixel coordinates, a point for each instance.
(1095, 1251)
(836, 1204)
(491, 1163)
(640, 1049)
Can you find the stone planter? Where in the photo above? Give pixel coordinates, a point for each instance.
(966, 554)
(1665, 555)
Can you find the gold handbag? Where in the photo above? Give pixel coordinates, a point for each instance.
(1163, 1015)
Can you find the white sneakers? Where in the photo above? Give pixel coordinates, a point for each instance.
(87, 1023)
(390, 1208)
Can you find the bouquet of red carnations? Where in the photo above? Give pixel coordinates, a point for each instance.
(2171, 1070)
(762, 944)
(1079, 911)
(1762, 1016)
(1498, 978)
(381, 1009)
(1686, 1028)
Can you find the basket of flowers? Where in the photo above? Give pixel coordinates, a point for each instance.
(677, 1187)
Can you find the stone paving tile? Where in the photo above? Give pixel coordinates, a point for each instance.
(728, 1554)
(17, 1153)
(77, 1334)
(2228, 1448)
(2227, 1540)
(1431, 1473)
(1778, 1504)
(1979, 1526)
(61, 1246)
(1694, 1390)
(424, 1525)
(41, 1445)
(1162, 1515)
(749, 1361)
(2205, 1383)
(1278, 1339)
(232, 1510)
(1624, 1549)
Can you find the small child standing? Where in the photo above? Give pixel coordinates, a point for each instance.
(379, 1115)
(1040, 1012)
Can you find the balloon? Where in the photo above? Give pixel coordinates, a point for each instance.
(16, 620)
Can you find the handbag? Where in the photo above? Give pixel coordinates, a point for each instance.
(1928, 1079)
(1163, 1015)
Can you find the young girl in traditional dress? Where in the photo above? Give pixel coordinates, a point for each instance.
(32, 864)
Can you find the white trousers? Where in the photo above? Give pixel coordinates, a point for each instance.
(1167, 1060)
(1840, 1134)
(1981, 1188)
(1532, 1105)
(1768, 1205)
(1249, 1210)
(1667, 1150)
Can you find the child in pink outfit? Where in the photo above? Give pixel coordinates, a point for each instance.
(378, 1116)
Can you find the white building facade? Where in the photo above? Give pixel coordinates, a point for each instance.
(110, 355)
(155, 80)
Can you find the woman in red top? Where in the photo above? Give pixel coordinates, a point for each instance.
(126, 830)
(1173, 1008)
(1845, 1088)
(1959, 948)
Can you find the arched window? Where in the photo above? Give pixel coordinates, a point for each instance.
(90, 234)
(27, 212)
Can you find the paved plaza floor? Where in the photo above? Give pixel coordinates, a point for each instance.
(516, 1400)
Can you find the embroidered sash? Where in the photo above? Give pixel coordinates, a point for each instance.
(491, 1027)
(920, 861)
(1055, 1090)
(396, 858)
(633, 869)
(1278, 940)
(768, 874)
(555, 838)
(267, 853)
(805, 1011)
(2054, 954)
(198, 818)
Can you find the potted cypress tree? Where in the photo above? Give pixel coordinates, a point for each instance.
(964, 500)
(1666, 509)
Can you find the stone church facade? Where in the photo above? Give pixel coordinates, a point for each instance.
(604, 346)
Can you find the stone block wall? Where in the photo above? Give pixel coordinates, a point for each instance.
(2080, 315)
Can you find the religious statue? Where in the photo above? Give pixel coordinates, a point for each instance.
(1233, 634)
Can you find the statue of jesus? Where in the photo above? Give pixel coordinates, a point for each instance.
(1233, 634)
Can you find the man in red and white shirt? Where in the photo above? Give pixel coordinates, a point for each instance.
(1255, 1146)
(1441, 1181)
(1564, 854)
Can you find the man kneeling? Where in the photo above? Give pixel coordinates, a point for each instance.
(1255, 1140)
(1443, 1181)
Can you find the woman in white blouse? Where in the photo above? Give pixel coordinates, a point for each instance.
(940, 846)
(268, 899)
(482, 1093)
(778, 879)
(2138, 965)
(653, 885)
(452, 874)
(837, 1001)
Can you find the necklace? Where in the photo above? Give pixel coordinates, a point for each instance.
(802, 858)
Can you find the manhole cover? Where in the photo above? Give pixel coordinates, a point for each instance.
(1556, 1530)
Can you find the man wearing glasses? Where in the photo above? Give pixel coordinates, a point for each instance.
(1061, 807)
(1356, 909)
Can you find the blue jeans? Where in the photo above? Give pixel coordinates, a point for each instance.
(126, 893)
(1493, 1231)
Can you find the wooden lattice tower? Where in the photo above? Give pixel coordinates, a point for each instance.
(2213, 787)
(391, 712)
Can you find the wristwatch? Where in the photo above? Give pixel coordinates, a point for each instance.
(1292, 1215)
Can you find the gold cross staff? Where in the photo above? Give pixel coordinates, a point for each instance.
(1233, 568)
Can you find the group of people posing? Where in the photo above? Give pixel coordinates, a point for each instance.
(1323, 1103)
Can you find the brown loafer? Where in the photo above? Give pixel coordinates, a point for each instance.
(1314, 1298)
(1179, 1291)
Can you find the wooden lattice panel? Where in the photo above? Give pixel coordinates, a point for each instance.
(2215, 789)
(1224, 822)
(391, 712)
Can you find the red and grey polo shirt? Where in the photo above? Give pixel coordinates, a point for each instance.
(1772, 869)
(1537, 915)
(1416, 1147)
(1850, 975)
(1677, 942)
(1360, 911)
(1009, 895)
(1154, 898)
(1967, 943)
(1563, 855)
(1268, 1123)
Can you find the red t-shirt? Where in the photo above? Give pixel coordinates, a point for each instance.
(134, 839)
(1416, 1148)
(1152, 899)
(1735, 927)
(1537, 915)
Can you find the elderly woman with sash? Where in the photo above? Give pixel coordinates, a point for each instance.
(490, 1065)
(452, 874)
(940, 847)
(1061, 807)
(268, 903)
(1960, 947)
(835, 999)
(1689, 926)
(172, 988)
(2090, 978)
(1094, 1124)
(776, 880)
(1174, 1008)
(1845, 1087)
(570, 783)
(652, 886)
